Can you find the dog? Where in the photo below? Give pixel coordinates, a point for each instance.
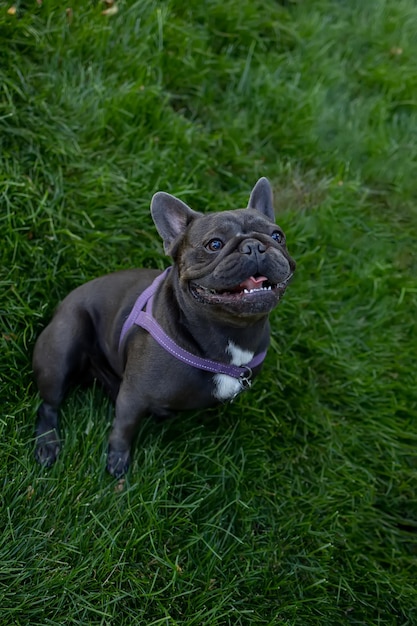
(188, 338)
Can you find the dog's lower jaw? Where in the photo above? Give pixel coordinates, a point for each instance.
(239, 304)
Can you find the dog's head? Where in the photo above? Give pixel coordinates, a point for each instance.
(236, 261)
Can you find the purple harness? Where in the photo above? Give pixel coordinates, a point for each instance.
(144, 319)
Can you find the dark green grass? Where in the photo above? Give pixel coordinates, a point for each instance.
(297, 503)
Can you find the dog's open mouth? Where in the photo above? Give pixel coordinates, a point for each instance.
(253, 283)
(255, 289)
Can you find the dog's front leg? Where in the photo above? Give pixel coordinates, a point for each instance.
(130, 408)
(48, 442)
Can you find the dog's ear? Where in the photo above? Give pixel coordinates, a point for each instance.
(261, 199)
(171, 217)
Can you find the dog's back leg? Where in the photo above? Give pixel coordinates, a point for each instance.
(60, 356)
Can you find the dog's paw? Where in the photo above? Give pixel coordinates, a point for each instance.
(118, 462)
(47, 448)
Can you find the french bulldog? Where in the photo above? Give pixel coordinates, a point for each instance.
(188, 338)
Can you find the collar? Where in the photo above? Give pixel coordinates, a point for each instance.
(141, 315)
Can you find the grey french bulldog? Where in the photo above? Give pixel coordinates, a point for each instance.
(188, 338)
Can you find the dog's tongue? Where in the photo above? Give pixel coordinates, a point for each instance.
(252, 282)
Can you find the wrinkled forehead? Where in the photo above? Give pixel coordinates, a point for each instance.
(239, 221)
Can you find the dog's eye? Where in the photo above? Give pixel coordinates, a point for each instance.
(277, 236)
(214, 245)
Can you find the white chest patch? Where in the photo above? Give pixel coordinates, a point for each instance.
(226, 387)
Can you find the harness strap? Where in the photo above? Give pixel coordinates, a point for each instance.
(145, 320)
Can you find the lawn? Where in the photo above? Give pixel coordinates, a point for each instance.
(297, 503)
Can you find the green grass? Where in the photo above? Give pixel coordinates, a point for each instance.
(295, 505)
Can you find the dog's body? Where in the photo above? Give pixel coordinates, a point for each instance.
(230, 270)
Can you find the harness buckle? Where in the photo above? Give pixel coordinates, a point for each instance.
(245, 378)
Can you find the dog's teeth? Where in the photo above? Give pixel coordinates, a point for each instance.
(255, 289)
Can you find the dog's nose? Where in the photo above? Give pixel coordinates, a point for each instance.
(252, 246)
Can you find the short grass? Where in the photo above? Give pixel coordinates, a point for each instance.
(296, 505)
